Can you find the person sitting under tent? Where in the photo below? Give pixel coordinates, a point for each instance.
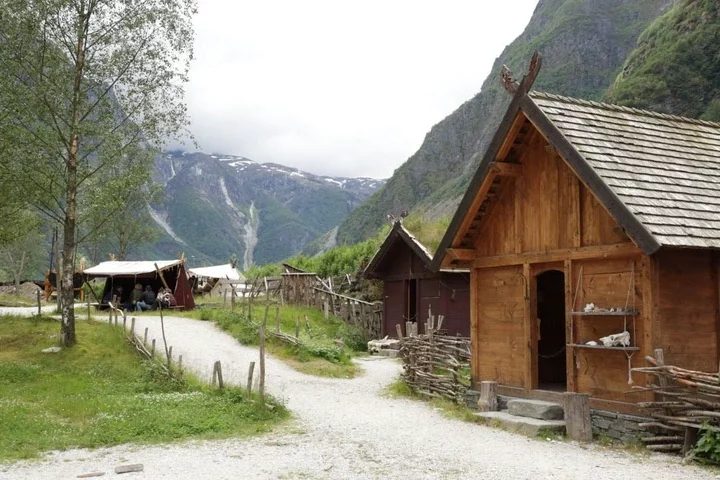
(147, 300)
(114, 295)
(165, 299)
(135, 297)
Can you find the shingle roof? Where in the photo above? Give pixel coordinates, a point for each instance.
(665, 169)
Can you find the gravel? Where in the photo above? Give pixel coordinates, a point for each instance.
(345, 429)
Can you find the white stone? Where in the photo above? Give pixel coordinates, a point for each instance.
(52, 350)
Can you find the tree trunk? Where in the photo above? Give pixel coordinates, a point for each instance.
(67, 326)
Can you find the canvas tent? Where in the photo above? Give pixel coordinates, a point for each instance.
(218, 279)
(127, 274)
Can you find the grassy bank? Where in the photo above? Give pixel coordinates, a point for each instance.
(101, 393)
(319, 353)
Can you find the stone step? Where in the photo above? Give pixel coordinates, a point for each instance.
(527, 426)
(523, 407)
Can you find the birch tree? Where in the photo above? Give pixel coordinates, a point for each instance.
(88, 85)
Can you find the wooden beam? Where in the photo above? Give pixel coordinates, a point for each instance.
(570, 327)
(474, 206)
(510, 137)
(462, 254)
(529, 327)
(600, 251)
(474, 340)
(502, 169)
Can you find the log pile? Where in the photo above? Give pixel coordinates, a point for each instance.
(436, 366)
(686, 401)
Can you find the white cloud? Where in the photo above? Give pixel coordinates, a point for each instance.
(339, 87)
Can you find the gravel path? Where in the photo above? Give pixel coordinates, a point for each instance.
(345, 429)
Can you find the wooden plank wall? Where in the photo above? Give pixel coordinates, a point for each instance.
(688, 309)
(499, 341)
(606, 283)
(544, 209)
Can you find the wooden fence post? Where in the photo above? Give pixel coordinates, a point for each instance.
(250, 377)
(398, 328)
(225, 298)
(232, 298)
(124, 321)
(132, 326)
(145, 336)
(180, 364)
(152, 350)
(577, 416)
(88, 305)
(277, 319)
(261, 387)
(488, 397)
(40, 304)
(169, 356)
(297, 327)
(217, 375)
(326, 309)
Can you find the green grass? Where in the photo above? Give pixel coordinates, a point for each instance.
(8, 300)
(318, 355)
(101, 393)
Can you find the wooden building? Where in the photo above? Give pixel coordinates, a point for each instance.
(576, 203)
(411, 288)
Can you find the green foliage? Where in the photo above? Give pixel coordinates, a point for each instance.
(101, 393)
(429, 233)
(318, 354)
(708, 446)
(676, 65)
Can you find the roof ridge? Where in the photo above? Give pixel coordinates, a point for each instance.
(610, 106)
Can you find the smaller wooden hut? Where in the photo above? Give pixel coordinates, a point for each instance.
(411, 288)
(170, 273)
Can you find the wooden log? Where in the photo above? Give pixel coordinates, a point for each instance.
(261, 386)
(129, 468)
(689, 440)
(577, 416)
(488, 397)
(662, 438)
(668, 447)
(250, 377)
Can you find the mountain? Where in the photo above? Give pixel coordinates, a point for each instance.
(676, 65)
(584, 44)
(218, 205)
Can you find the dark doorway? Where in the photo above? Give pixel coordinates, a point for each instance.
(411, 306)
(552, 365)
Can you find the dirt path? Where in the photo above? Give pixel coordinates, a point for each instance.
(346, 429)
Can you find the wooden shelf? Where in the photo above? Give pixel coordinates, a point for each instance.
(624, 313)
(603, 347)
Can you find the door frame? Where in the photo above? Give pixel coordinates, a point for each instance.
(534, 270)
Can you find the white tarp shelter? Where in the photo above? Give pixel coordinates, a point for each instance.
(115, 268)
(222, 278)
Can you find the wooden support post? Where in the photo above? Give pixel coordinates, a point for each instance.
(250, 377)
(577, 416)
(110, 317)
(326, 309)
(297, 327)
(488, 397)
(124, 321)
(40, 304)
(180, 364)
(217, 375)
(261, 386)
(691, 438)
(277, 318)
(169, 356)
(225, 298)
(88, 304)
(398, 328)
(145, 336)
(152, 349)
(132, 326)
(232, 298)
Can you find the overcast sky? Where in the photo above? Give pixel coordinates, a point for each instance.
(340, 87)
